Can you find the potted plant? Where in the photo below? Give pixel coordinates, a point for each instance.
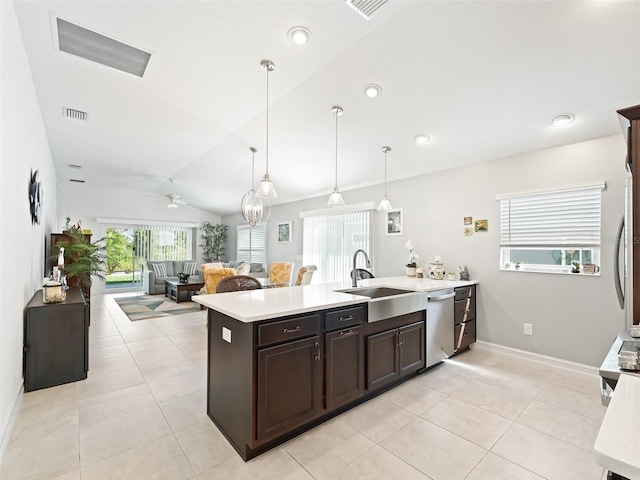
(213, 237)
(413, 257)
(576, 267)
(517, 265)
(83, 259)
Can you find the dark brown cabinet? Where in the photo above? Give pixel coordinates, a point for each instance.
(289, 386)
(465, 317)
(56, 341)
(344, 366)
(394, 353)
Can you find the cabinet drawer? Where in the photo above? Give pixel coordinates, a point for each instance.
(465, 310)
(465, 334)
(463, 293)
(344, 318)
(285, 330)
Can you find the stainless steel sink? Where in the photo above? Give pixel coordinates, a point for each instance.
(388, 302)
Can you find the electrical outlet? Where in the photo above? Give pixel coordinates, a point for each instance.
(528, 329)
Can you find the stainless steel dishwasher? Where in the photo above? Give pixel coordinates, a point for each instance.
(440, 326)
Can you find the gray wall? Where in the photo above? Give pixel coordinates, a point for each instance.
(574, 318)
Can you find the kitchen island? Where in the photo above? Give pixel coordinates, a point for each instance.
(283, 360)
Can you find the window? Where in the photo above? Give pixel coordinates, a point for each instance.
(251, 244)
(549, 231)
(330, 240)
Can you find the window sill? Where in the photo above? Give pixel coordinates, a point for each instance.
(549, 270)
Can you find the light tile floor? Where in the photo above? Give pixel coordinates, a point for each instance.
(141, 414)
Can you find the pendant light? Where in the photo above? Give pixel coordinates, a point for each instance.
(251, 205)
(335, 200)
(266, 188)
(385, 204)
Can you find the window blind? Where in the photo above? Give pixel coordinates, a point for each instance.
(569, 216)
(251, 244)
(330, 240)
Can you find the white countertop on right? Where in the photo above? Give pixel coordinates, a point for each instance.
(617, 446)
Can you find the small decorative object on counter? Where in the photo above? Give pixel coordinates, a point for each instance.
(52, 292)
(183, 277)
(464, 273)
(576, 267)
(518, 265)
(413, 257)
(436, 269)
(590, 268)
(419, 272)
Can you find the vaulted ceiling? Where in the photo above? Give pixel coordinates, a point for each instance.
(482, 78)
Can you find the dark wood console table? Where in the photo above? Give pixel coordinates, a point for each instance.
(56, 341)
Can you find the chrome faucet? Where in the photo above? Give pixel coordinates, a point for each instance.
(354, 275)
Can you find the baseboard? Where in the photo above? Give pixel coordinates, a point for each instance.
(6, 433)
(573, 367)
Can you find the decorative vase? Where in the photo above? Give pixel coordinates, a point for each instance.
(436, 270)
(411, 271)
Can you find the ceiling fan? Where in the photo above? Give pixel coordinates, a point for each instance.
(174, 198)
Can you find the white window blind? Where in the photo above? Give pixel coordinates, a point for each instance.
(564, 217)
(330, 240)
(251, 244)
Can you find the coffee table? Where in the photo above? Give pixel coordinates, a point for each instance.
(173, 288)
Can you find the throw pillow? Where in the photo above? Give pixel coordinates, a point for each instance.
(160, 269)
(225, 265)
(190, 268)
(243, 269)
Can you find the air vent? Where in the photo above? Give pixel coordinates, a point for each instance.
(71, 165)
(73, 113)
(75, 180)
(98, 48)
(366, 8)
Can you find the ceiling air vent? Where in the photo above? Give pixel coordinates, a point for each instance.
(366, 8)
(73, 113)
(93, 46)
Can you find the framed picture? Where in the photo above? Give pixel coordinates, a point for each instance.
(284, 232)
(482, 226)
(468, 231)
(394, 225)
(468, 220)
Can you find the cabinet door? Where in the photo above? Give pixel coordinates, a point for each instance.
(383, 362)
(412, 354)
(289, 386)
(344, 366)
(465, 335)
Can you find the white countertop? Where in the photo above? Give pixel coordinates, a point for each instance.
(617, 446)
(254, 305)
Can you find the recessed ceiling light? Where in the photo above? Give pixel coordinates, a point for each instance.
(422, 138)
(372, 90)
(562, 119)
(299, 35)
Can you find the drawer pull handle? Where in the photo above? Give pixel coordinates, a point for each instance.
(350, 332)
(346, 319)
(467, 310)
(291, 330)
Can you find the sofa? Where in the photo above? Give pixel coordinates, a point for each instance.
(157, 272)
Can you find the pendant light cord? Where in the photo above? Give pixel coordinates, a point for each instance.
(336, 184)
(253, 163)
(385, 174)
(267, 149)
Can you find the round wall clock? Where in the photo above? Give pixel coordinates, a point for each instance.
(35, 197)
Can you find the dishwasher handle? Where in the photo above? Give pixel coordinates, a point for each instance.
(442, 297)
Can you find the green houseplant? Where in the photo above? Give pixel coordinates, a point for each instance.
(83, 259)
(213, 236)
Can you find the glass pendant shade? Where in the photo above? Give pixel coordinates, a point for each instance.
(266, 189)
(335, 199)
(385, 203)
(251, 206)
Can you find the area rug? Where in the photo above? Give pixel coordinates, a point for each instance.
(142, 307)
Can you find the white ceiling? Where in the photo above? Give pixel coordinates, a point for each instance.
(482, 78)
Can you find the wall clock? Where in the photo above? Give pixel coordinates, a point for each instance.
(35, 197)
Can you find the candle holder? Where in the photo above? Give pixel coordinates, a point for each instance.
(53, 292)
